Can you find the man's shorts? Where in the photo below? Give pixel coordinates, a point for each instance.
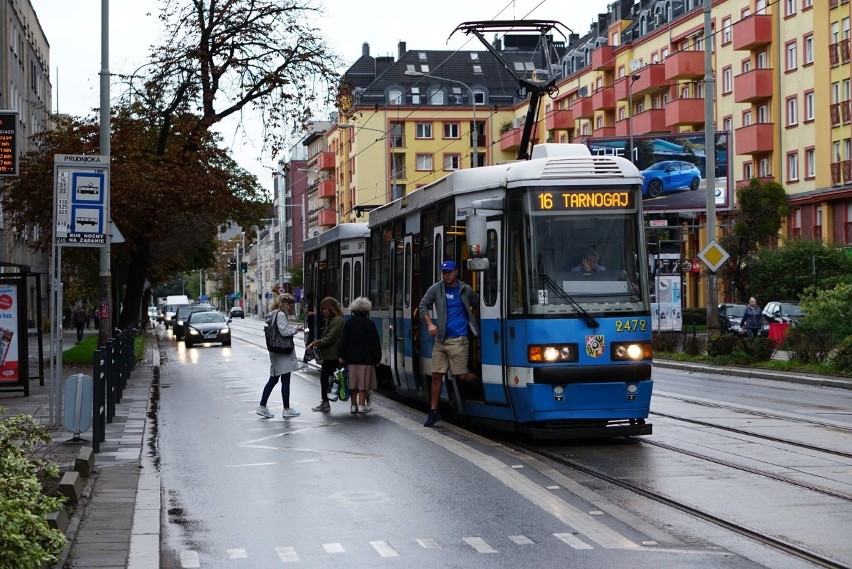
(450, 353)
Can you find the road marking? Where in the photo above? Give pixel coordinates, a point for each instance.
(287, 554)
(333, 548)
(479, 545)
(516, 481)
(428, 543)
(521, 539)
(189, 559)
(237, 554)
(384, 549)
(573, 541)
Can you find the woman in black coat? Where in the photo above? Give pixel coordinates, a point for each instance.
(361, 351)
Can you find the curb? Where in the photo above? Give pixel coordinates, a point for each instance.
(804, 379)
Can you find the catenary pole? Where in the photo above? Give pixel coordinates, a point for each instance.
(710, 163)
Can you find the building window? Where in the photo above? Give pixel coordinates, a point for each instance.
(793, 167)
(423, 162)
(790, 8)
(791, 56)
(810, 163)
(415, 95)
(728, 124)
(763, 170)
(451, 130)
(792, 111)
(423, 130)
(726, 31)
(395, 97)
(809, 106)
(436, 97)
(746, 118)
(452, 161)
(762, 60)
(763, 114)
(748, 174)
(727, 80)
(479, 96)
(808, 48)
(807, 4)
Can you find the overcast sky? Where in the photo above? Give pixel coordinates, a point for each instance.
(73, 31)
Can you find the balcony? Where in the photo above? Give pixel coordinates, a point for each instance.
(559, 119)
(602, 58)
(582, 108)
(754, 139)
(684, 112)
(604, 99)
(512, 138)
(651, 120)
(754, 85)
(327, 217)
(326, 161)
(685, 65)
(753, 32)
(327, 189)
(652, 78)
(607, 131)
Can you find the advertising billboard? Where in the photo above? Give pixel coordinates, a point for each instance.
(674, 169)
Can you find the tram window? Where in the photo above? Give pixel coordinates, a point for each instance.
(489, 282)
(345, 299)
(356, 275)
(407, 276)
(436, 265)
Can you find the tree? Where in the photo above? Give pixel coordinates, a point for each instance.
(800, 265)
(169, 207)
(761, 209)
(225, 57)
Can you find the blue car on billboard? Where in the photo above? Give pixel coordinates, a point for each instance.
(669, 175)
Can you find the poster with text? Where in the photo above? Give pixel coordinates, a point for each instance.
(9, 369)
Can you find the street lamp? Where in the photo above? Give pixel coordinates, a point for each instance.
(475, 131)
(631, 80)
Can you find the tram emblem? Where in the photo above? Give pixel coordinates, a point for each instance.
(595, 346)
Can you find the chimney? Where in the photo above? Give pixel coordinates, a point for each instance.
(365, 49)
(402, 49)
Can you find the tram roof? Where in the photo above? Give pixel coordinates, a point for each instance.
(549, 164)
(339, 232)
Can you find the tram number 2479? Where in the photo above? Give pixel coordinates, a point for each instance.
(631, 325)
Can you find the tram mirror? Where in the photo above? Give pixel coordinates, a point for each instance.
(475, 233)
(488, 203)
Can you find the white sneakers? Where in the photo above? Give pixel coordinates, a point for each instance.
(264, 412)
(290, 412)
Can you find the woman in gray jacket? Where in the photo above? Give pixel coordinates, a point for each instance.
(281, 364)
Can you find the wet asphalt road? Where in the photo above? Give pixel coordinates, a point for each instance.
(343, 490)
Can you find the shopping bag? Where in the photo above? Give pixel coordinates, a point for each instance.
(333, 388)
(343, 378)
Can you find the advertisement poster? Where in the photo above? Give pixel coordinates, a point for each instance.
(667, 296)
(9, 372)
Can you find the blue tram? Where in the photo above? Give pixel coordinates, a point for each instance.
(565, 348)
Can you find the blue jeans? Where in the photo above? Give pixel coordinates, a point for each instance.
(285, 389)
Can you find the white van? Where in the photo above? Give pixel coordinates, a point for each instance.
(172, 302)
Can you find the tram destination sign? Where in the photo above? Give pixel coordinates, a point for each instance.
(565, 200)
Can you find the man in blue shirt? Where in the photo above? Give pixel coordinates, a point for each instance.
(454, 301)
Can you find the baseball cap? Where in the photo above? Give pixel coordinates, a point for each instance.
(448, 266)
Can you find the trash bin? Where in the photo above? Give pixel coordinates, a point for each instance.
(77, 403)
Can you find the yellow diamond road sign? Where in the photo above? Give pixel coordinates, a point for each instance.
(713, 256)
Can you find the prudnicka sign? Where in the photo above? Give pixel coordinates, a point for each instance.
(81, 200)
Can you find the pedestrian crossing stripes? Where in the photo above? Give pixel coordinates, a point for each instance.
(289, 554)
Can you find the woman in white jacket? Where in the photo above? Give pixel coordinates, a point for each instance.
(281, 364)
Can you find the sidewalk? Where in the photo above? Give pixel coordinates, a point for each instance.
(111, 514)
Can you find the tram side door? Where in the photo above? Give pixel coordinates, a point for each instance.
(401, 314)
(492, 337)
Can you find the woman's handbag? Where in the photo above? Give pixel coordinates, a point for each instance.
(275, 342)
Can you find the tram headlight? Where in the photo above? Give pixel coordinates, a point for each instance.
(632, 351)
(555, 353)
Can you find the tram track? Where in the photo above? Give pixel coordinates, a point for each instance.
(788, 547)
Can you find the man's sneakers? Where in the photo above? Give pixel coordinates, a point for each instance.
(290, 412)
(264, 412)
(363, 409)
(323, 407)
(433, 417)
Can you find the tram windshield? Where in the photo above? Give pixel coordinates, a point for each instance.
(570, 261)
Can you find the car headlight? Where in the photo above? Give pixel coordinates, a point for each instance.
(226, 330)
(553, 353)
(193, 332)
(631, 351)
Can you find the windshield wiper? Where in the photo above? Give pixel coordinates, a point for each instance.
(560, 292)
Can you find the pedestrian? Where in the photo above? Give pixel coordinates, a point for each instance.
(88, 314)
(78, 318)
(281, 365)
(360, 351)
(752, 320)
(333, 315)
(96, 318)
(454, 303)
